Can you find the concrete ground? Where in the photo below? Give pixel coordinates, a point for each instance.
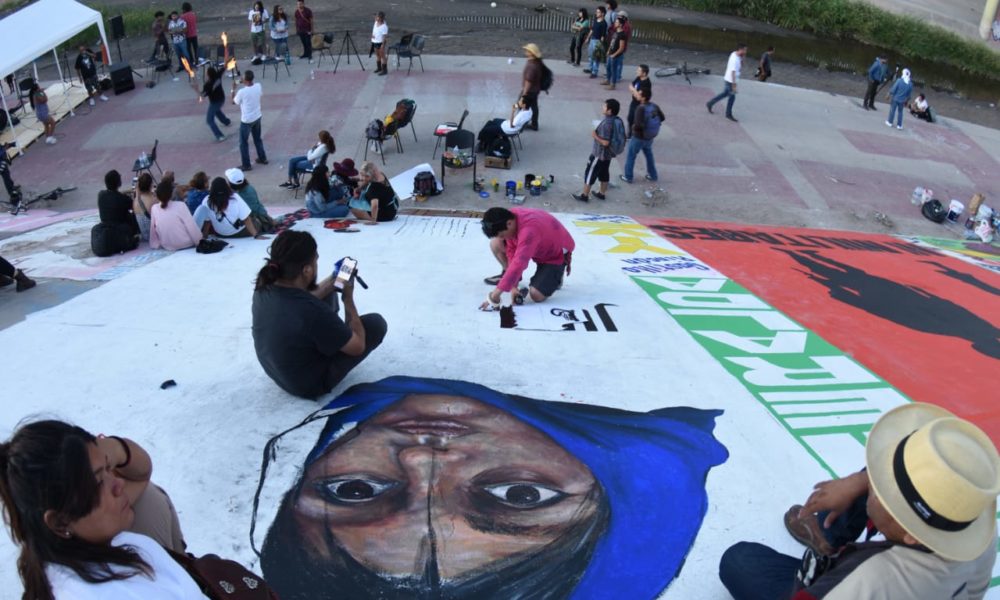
(960, 16)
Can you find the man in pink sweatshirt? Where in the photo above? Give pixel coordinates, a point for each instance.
(520, 235)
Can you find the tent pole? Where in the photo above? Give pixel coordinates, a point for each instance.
(65, 87)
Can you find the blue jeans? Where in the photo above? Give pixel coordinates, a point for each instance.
(752, 571)
(594, 65)
(181, 50)
(297, 164)
(634, 146)
(727, 92)
(247, 130)
(331, 210)
(619, 65)
(215, 112)
(893, 108)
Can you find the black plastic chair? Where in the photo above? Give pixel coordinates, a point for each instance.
(325, 48)
(377, 142)
(463, 140)
(445, 128)
(24, 93)
(138, 167)
(414, 50)
(309, 171)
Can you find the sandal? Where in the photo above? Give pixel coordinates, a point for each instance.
(495, 279)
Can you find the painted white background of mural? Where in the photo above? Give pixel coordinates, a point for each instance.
(98, 360)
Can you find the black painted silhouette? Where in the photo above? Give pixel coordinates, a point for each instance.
(963, 277)
(905, 305)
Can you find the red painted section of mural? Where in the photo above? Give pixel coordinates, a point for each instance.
(926, 323)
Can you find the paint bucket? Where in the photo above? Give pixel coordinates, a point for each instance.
(955, 210)
(536, 187)
(511, 188)
(528, 179)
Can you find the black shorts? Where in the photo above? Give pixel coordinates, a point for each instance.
(91, 84)
(597, 170)
(548, 278)
(376, 45)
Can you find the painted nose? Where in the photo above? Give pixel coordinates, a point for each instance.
(420, 462)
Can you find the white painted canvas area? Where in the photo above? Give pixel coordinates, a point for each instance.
(98, 360)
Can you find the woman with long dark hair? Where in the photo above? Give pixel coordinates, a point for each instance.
(216, 94)
(224, 213)
(279, 33)
(580, 29)
(258, 18)
(69, 499)
(323, 200)
(316, 156)
(171, 225)
(40, 104)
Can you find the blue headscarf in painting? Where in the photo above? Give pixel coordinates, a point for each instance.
(652, 467)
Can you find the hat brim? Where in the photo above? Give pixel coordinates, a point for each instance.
(895, 425)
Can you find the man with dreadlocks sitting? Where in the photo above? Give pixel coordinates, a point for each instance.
(300, 338)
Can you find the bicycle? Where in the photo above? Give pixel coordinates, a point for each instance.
(17, 204)
(684, 70)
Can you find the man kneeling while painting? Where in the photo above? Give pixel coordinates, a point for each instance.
(519, 236)
(300, 339)
(930, 488)
(433, 488)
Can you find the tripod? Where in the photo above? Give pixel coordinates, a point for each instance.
(344, 46)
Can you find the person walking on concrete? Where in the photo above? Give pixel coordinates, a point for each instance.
(899, 95)
(648, 118)
(876, 75)
(531, 84)
(764, 67)
(731, 78)
(248, 99)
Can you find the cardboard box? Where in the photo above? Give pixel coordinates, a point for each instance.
(497, 162)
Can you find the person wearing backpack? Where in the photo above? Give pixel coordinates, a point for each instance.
(609, 141)
(648, 118)
(531, 84)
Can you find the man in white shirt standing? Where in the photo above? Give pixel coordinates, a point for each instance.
(731, 77)
(248, 99)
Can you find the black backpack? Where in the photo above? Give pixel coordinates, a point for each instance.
(547, 78)
(375, 130)
(425, 184)
(933, 210)
(107, 239)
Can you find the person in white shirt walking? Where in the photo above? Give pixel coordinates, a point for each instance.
(731, 77)
(379, 31)
(248, 99)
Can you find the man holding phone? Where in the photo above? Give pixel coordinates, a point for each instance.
(299, 336)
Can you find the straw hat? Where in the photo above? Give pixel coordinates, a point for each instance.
(938, 476)
(533, 50)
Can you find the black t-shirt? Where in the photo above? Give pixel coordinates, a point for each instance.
(116, 207)
(598, 29)
(386, 197)
(639, 85)
(214, 91)
(296, 336)
(85, 64)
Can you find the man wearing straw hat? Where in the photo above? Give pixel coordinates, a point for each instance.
(532, 82)
(929, 487)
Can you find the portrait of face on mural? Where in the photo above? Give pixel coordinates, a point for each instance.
(427, 488)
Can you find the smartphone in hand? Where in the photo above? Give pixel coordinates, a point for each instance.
(347, 268)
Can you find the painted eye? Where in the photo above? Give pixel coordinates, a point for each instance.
(353, 490)
(523, 495)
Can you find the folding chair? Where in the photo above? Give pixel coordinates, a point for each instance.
(274, 61)
(24, 93)
(462, 139)
(444, 129)
(309, 171)
(138, 167)
(325, 48)
(414, 50)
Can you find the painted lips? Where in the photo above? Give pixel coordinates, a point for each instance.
(436, 427)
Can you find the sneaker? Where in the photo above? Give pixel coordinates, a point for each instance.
(600, 196)
(888, 124)
(648, 178)
(177, 78)
(593, 77)
(90, 102)
(807, 531)
(50, 140)
(732, 118)
(245, 168)
(708, 105)
(286, 185)
(520, 296)
(586, 71)
(899, 127)
(104, 98)
(261, 161)
(295, 186)
(626, 179)
(493, 280)
(220, 139)
(581, 197)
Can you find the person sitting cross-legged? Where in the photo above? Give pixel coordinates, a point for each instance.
(301, 341)
(929, 487)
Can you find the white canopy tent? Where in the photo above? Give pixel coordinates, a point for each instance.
(38, 28)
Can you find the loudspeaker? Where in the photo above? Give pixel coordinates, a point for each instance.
(121, 78)
(117, 28)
